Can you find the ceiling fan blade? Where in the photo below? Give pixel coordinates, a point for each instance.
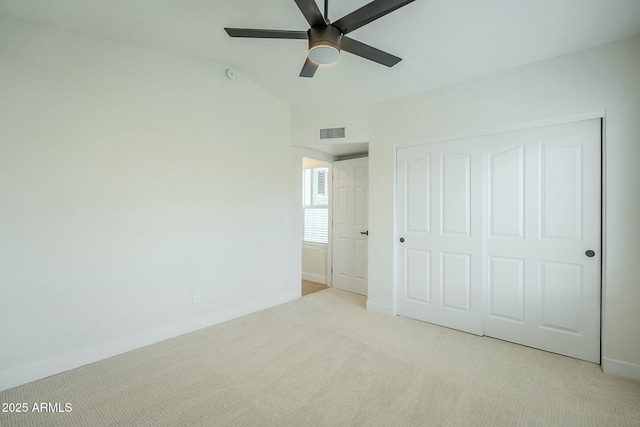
(371, 53)
(310, 10)
(309, 68)
(367, 13)
(266, 34)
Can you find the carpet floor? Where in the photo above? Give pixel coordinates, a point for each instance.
(323, 360)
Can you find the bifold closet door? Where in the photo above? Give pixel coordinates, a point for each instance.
(543, 238)
(439, 232)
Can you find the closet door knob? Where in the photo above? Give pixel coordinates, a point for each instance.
(590, 253)
(402, 240)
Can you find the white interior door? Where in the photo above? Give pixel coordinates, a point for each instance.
(350, 225)
(543, 215)
(439, 232)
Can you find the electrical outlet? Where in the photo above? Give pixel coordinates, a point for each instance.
(195, 297)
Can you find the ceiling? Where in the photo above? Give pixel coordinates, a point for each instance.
(441, 42)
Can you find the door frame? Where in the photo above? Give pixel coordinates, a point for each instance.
(598, 114)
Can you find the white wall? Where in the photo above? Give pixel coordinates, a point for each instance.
(314, 263)
(603, 78)
(128, 178)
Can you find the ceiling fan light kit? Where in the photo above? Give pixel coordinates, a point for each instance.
(326, 39)
(324, 44)
(324, 54)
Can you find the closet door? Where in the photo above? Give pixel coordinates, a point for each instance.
(542, 266)
(439, 235)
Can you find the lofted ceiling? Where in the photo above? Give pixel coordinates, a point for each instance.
(441, 41)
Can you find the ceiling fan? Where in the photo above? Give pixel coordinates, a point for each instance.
(326, 38)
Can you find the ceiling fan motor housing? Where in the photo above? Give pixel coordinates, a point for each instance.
(324, 44)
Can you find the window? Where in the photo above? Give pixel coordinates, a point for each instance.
(315, 205)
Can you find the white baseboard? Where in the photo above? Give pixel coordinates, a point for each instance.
(385, 310)
(622, 369)
(46, 368)
(314, 278)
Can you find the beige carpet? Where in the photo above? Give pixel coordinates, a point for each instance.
(325, 361)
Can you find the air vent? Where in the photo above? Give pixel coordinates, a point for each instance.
(332, 133)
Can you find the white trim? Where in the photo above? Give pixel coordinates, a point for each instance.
(603, 237)
(385, 310)
(394, 282)
(299, 221)
(622, 369)
(599, 114)
(485, 168)
(314, 278)
(329, 265)
(56, 365)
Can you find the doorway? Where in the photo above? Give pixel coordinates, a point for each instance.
(334, 224)
(316, 194)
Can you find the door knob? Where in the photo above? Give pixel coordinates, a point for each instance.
(365, 232)
(590, 253)
(402, 240)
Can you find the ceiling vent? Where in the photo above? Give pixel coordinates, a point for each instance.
(332, 134)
